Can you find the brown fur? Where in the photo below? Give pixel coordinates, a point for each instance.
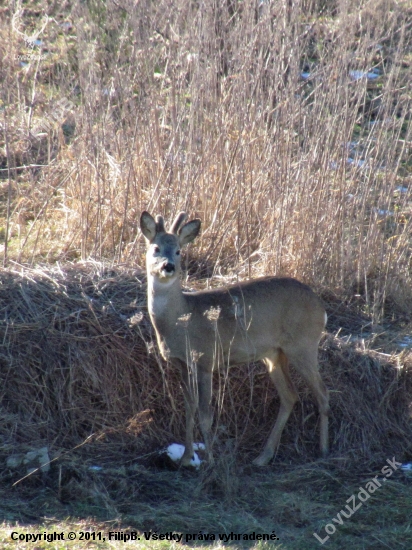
(276, 320)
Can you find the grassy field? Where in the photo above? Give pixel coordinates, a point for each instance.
(284, 126)
(292, 502)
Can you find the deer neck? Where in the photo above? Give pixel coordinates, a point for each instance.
(166, 304)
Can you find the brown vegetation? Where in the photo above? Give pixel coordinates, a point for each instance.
(295, 114)
(232, 113)
(78, 359)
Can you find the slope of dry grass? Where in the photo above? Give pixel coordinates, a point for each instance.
(78, 359)
(79, 375)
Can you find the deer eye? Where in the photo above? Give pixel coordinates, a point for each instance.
(177, 252)
(156, 249)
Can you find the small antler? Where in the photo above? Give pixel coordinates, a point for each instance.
(180, 218)
(160, 224)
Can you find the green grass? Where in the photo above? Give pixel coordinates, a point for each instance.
(293, 502)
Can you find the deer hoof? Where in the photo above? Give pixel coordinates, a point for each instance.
(263, 459)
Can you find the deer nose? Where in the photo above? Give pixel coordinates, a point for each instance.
(168, 267)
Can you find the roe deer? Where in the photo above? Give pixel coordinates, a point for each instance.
(273, 319)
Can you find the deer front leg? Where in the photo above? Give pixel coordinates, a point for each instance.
(190, 393)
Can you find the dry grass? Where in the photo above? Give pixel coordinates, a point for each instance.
(78, 373)
(210, 109)
(77, 359)
(260, 120)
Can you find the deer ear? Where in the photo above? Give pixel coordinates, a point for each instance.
(148, 226)
(189, 232)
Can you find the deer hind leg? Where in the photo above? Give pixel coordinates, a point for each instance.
(205, 408)
(305, 360)
(277, 364)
